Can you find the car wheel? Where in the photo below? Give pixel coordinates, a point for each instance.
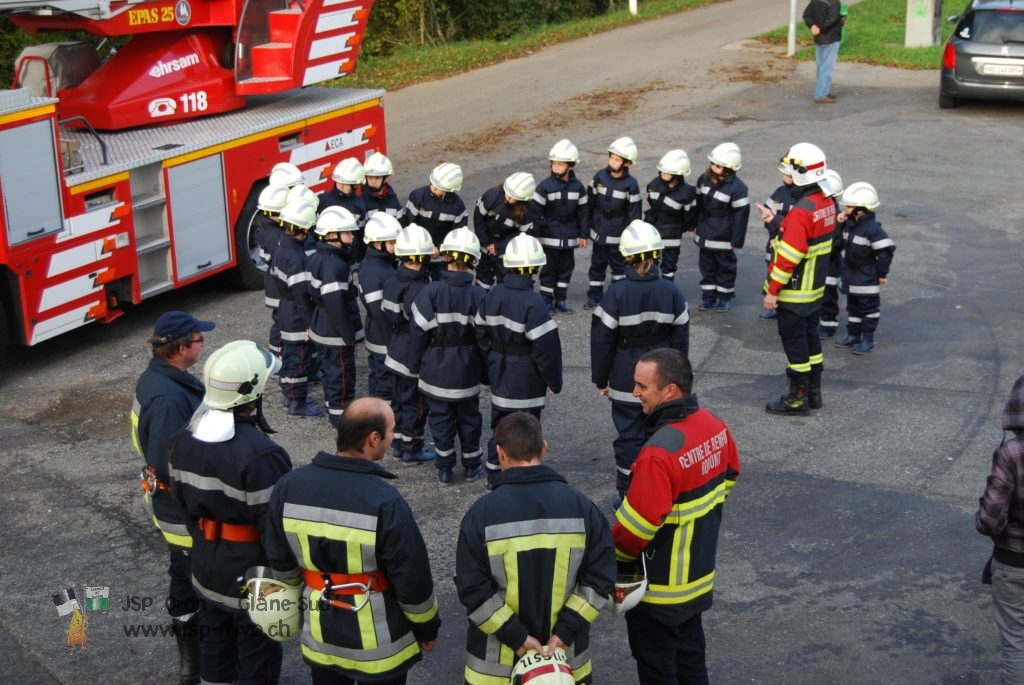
(947, 101)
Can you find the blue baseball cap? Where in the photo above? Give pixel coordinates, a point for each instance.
(174, 324)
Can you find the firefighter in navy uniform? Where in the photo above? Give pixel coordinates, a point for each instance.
(723, 213)
(223, 467)
(268, 231)
(641, 313)
(296, 311)
(445, 354)
(378, 194)
(613, 200)
(673, 207)
(671, 516)
(336, 327)
(829, 323)
(348, 177)
(534, 563)
(520, 341)
(796, 279)
(166, 396)
(560, 210)
(378, 267)
(438, 208)
(502, 213)
(374, 628)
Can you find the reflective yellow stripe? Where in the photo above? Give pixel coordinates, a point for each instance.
(135, 432)
(476, 678)
(314, 616)
(788, 251)
(173, 538)
(801, 367)
(678, 594)
(779, 276)
(632, 521)
(496, 620)
(559, 583)
(801, 296)
(687, 511)
(527, 543)
(423, 616)
(367, 629)
(583, 671)
(581, 607)
(369, 667)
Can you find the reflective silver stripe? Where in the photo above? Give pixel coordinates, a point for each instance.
(590, 596)
(375, 348)
(381, 652)
(502, 322)
(673, 204)
(720, 196)
(336, 286)
(332, 341)
(450, 393)
(452, 218)
(443, 453)
(541, 330)
(272, 302)
(213, 484)
(472, 455)
(454, 317)
(860, 240)
(374, 296)
(607, 319)
(831, 280)
(489, 667)
(420, 609)
(509, 403)
(401, 368)
(882, 244)
(421, 320)
(742, 202)
(873, 316)
(333, 517)
(238, 603)
(853, 319)
(391, 306)
(620, 396)
(865, 289)
(625, 472)
(642, 317)
(288, 336)
(516, 529)
(289, 380)
(717, 245)
(671, 242)
(295, 279)
(560, 284)
(725, 290)
(617, 277)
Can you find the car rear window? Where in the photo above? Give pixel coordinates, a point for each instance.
(997, 26)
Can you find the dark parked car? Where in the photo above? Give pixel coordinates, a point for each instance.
(984, 56)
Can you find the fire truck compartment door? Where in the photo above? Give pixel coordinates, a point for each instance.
(199, 214)
(29, 178)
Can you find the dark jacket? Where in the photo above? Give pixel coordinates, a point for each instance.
(370, 529)
(611, 204)
(825, 14)
(439, 215)
(377, 269)
(867, 255)
(673, 211)
(268, 235)
(399, 294)
(494, 221)
(1001, 507)
(336, 321)
(514, 528)
(723, 212)
(353, 203)
(561, 212)
(295, 312)
(384, 200)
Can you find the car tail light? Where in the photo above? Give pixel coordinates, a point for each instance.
(949, 57)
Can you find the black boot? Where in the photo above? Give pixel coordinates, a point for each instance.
(187, 635)
(850, 340)
(814, 387)
(795, 403)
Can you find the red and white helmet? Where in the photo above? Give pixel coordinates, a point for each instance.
(629, 589)
(534, 668)
(808, 164)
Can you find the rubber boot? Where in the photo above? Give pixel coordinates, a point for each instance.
(850, 340)
(187, 635)
(814, 387)
(794, 403)
(867, 343)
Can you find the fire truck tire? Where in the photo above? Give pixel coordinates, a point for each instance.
(248, 272)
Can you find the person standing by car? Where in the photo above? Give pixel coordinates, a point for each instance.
(825, 20)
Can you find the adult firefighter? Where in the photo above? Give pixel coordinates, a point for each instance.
(222, 470)
(671, 515)
(796, 279)
(166, 396)
(369, 602)
(534, 563)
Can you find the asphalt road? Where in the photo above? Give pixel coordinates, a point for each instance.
(848, 552)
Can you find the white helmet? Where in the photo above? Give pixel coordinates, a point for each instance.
(273, 199)
(638, 238)
(860, 194)
(349, 170)
(524, 251)
(378, 165)
(335, 219)
(285, 174)
(413, 241)
(236, 374)
(832, 186)
(300, 214)
(381, 227)
(624, 147)
(301, 192)
(462, 241)
(274, 602)
(629, 589)
(564, 151)
(520, 186)
(807, 162)
(727, 155)
(447, 177)
(675, 162)
(536, 669)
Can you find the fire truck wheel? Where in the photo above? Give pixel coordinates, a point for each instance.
(248, 272)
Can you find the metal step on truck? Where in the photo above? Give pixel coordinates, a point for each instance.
(127, 178)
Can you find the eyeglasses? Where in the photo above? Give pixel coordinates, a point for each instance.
(200, 339)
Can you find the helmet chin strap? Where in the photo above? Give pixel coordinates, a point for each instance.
(261, 420)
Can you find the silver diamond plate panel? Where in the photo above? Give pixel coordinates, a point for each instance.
(19, 100)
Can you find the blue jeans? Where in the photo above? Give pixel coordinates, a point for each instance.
(1008, 602)
(825, 56)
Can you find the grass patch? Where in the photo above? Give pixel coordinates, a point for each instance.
(875, 31)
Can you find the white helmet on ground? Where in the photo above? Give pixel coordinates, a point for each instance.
(860, 194)
(832, 186)
(285, 174)
(625, 147)
(350, 171)
(727, 155)
(447, 177)
(301, 192)
(524, 251)
(520, 186)
(274, 602)
(462, 241)
(335, 219)
(808, 164)
(413, 241)
(629, 589)
(378, 165)
(300, 214)
(675, 162)
(564, 151)
(537, 669)
(273, 199)
(638, 238)
(236, 374)
(381, 227)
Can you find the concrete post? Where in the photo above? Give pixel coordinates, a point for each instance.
(922, 23)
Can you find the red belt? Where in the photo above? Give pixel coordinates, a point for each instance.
(329, 583)
(232, 532)
(150, 483)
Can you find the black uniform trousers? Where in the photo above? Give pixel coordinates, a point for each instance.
(449, 418)
(338, 365)
(232, 649)
(322, 675)
(667, 654)
(717, 275)
(379, 379)
(410, 415)
(556, 274)
(497, 414)
(298, 364)
(862, 313)
(629, 422)
(601, 258)
(669, 262)
(800, 340)
(274, 337)
(181, 597)
(830, 308)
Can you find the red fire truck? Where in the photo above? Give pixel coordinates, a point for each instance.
(139, 174)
